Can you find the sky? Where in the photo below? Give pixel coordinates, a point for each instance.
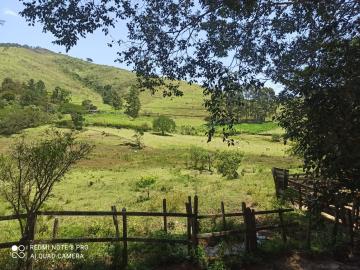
(16, 30)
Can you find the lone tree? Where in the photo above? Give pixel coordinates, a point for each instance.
(78, 120)
(31, 170)
(164, 124)
(133, 104)
(234, 45)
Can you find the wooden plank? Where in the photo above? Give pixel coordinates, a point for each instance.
(275, 211)
(12, 217)
(109, 213)
(235, 214)
(165, 218)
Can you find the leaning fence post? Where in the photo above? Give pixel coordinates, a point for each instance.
(125, 249)
(165, 217)
(282, 225)
(55, 228)
(223, 215)
(116, 223)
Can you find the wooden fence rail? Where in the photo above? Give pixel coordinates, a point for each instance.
(192, 217)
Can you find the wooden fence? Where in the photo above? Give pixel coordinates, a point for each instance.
(192, 217)
(301, 187)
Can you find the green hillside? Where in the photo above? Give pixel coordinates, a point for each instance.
(55, 69)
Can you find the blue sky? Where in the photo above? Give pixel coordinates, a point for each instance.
(16, 30)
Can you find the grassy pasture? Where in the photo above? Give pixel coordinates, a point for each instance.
(109, 176)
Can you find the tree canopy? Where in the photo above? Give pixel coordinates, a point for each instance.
(226, 46)
(231, 46)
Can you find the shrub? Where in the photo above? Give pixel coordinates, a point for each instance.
(88, 105)
(78, 120)
(200, 159)
(20, 119)
(138, 139)
(164, 124)
(65, 124)
(228, 162)
(8, 97)
(188, 130)
(145, 184)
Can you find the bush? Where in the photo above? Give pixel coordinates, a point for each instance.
(276, 138)
(228, 162)
(65, 124)
(188, 130)
(78, 120)
(8, 97)
(164, 124)
(200, 159)
(20, 119)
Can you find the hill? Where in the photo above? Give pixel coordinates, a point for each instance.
(23, 63)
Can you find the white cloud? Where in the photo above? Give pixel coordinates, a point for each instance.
(10, 12)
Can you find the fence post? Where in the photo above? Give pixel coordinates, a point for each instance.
(117, 232)
(116, 223)
(223, 215)
(188, 227)
(283, 229)
(165, 217)
(335, 229)
(252, 230)
(55, 228)
(246, 225)
(276, 182)
(125, 249)
(195, 223)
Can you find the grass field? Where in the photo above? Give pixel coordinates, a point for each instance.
(108, 177)
(110, 174)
